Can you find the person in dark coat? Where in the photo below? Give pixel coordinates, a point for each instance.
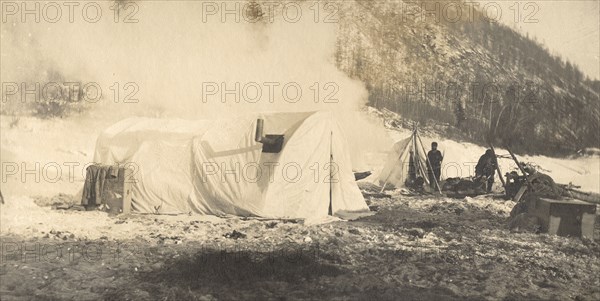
(413, 181)
(486, 167)
(435, 159)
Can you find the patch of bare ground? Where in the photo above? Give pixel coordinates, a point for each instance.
(413, 248)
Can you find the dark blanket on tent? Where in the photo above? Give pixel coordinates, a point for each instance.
(95, 178)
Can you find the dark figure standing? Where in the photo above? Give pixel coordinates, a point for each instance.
(413, 181)
(435, 159)
(486, 167)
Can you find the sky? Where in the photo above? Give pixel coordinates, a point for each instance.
(568, 28)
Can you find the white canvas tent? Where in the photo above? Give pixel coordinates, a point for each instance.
(400, 167)
(217, 167)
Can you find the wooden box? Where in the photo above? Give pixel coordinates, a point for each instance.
(116, 193)
(566, 217)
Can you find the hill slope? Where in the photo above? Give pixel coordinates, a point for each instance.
(480, 77)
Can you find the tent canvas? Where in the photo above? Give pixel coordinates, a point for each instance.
(406, 161)
(217, 167)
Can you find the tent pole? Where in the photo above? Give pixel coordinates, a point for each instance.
(384, 183)
(330, 212)
(415, 151)
(498, 168)
(429, 163)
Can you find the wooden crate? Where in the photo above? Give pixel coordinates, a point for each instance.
(116, 192)
(565, 217)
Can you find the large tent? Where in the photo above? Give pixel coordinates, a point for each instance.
(218, 167)
(405, 163)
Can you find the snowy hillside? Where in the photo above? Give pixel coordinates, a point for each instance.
(481, 78)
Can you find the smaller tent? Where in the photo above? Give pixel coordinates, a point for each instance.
(406, 164)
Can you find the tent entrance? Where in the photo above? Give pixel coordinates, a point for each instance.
(409, 165)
